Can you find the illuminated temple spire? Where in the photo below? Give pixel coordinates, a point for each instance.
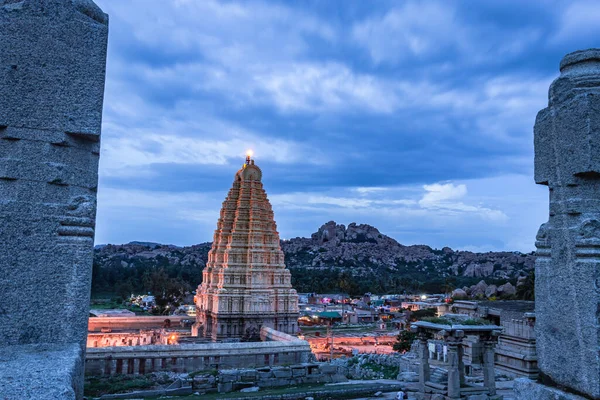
(245, 284)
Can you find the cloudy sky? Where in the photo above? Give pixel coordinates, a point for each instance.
(415, 117)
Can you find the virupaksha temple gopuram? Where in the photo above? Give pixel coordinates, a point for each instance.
(245, 285)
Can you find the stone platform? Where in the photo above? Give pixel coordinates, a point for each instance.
(526, 389)
(437, 396)
(40, 371)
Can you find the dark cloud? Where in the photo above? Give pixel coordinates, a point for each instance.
(371, 94)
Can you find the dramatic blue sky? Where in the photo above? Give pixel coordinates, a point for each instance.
(414, 117)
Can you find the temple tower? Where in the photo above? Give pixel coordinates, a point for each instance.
(245, 284)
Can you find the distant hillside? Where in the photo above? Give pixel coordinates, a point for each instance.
(353, 259)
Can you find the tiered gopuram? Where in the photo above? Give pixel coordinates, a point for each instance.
(245, 284)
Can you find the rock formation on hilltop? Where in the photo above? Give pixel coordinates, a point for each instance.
(355, 259)
(363, 247)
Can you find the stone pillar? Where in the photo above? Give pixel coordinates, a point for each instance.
(454, 373)
(567, 160)
(149, 368)
(461, 363)
(424, 372)
(489, 374)
(52, 72)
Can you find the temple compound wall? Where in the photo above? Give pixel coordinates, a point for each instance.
(245, 285)
(96, 324)
(567, 269)
(277, 349)
(117, 339)
(52, 69)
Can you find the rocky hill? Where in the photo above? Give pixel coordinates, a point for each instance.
(354, 259)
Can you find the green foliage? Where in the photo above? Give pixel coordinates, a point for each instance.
(526, 291)
(388, 371)
(403, 341)
(97, 386)
(421, 314)
(123, 275)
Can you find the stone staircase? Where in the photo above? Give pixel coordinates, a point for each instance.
(439, 375)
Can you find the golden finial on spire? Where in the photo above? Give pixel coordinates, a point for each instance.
(249, 154)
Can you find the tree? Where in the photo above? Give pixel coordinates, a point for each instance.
(526, 290)
(424, 313)
(449, 284)
(168, 292)
(404, 341)
(124, 289)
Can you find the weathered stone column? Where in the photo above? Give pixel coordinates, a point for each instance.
(461, 363)
(52, 67)
(424, 372)
(567, 287)
(489, 374)
(454, 373)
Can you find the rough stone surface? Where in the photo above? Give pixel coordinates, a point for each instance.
(479, 289)
(53, 64)
(491, 290)
(526, 389)
(459, 294)
(45, 372)
(567, 160)
(51, 91)
(306, 373)
(408, 377)
(505, 290)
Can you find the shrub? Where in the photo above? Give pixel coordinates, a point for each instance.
(404, 341)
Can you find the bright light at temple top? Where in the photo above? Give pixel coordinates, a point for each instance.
(249, 153)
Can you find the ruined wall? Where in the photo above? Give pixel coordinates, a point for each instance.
(52, 68)
(193, 357)
(236, 379)
(95, 324)
(117, 339)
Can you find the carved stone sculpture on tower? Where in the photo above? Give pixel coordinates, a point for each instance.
(52, 68)
(567, 287)
(245, 284)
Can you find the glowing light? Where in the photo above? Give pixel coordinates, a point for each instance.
(249, 153)
(424, 297)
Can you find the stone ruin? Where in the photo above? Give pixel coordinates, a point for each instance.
(454, 335)
(52, 69)
(567, 160)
